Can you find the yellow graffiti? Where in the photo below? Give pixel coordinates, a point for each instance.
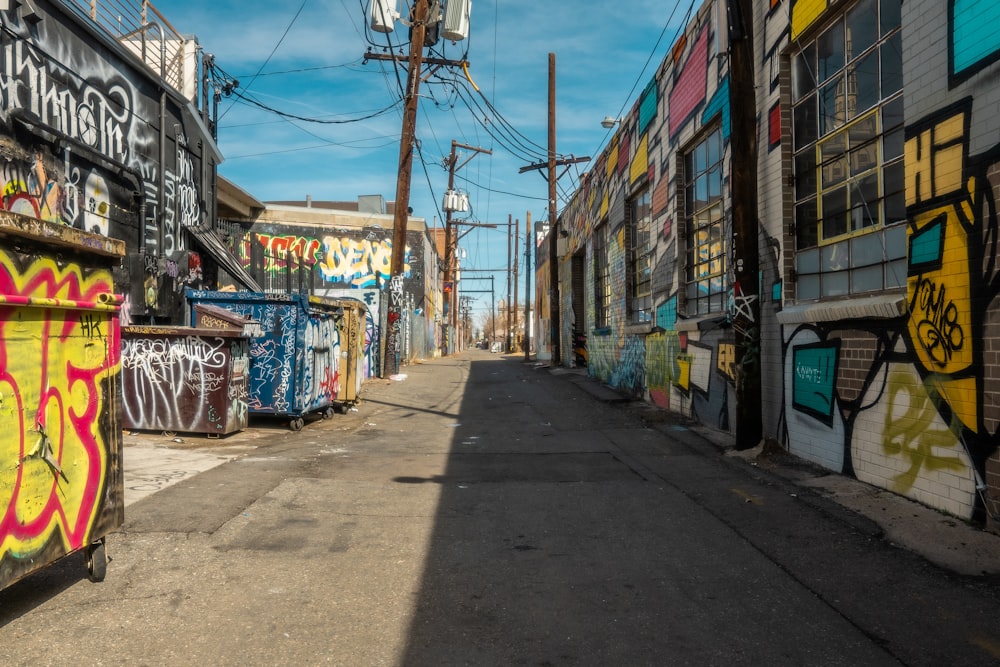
(54, 366)
(684, 362)
(939, 288)
(910, 433)
(359, 262)
(935, 161)
(727, 360)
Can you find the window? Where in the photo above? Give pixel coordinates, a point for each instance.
(640, 252)
(847, 138)
(602, 278)
(705, 278)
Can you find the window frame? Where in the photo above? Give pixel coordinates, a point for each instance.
(706, 279)
(640, 258)
(847, 200)
(602, 276)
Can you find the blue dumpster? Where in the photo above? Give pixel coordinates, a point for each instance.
(294, 356)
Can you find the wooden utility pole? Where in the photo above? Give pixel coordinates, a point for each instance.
(401, 214)
(745, 251)
(553, 221)
(450, 238)
(513, 326)
(550, 167)
(506, 320)
(527, 287)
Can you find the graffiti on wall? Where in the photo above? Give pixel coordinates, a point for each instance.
(371, 299)
(58, 367)
(352, 261)
(183, 383)
(905, 405)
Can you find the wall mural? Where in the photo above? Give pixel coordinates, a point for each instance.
(81, 136)
(906, 403)
(351, 261)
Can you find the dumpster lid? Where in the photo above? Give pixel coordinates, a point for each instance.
(137, 330)
(218, 318)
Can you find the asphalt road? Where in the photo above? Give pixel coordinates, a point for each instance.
(484, 511)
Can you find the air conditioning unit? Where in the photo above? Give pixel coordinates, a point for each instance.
(382, 15)
(456, 20)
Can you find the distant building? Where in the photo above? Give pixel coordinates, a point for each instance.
(340, 249)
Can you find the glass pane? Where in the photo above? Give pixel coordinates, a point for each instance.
(892, 114)
(805, 174)
(864, 158)
(803, 72)
(807, 287)
(866, 250)
(892, 144)
(835, 284)
(834, 172)
(804, 121)
(830, 51)
(833, 146)
(863, 131)
(714, 148)
(834, 257)
(867, 279)
(892, 65)
(807, 262)
(835, 213)
(700, 158)
(864, 202)
(893, 187)
(715, 183)
(892, 11)
(701, 192)
(832, 106)
(895, 273)
(862, 27)
(862, 82)
(895, 242)
(806, 225)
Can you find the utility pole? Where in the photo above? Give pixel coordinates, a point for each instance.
(550, 166)
(527, 287)
(745, 252)
(397, 262)
(450, 238)
(513, 326)
(554, 324)
(506, 305)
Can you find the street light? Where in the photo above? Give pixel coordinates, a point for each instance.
(610, 122)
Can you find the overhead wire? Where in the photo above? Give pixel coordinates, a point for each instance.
(273, 51)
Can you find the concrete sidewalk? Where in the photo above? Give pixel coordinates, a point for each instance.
(944, 540)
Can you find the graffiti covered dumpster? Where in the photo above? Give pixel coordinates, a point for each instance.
(294, 359)
(61, 486)
(183, 379)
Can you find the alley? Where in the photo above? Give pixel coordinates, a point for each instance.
(486, 511)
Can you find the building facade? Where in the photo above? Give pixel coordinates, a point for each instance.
(101, 130)
(876, 232)
(326, 250)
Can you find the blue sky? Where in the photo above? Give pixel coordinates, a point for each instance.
(306, 59)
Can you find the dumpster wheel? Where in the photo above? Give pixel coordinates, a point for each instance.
(97, 560)
(329, 412)
(296, 423)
